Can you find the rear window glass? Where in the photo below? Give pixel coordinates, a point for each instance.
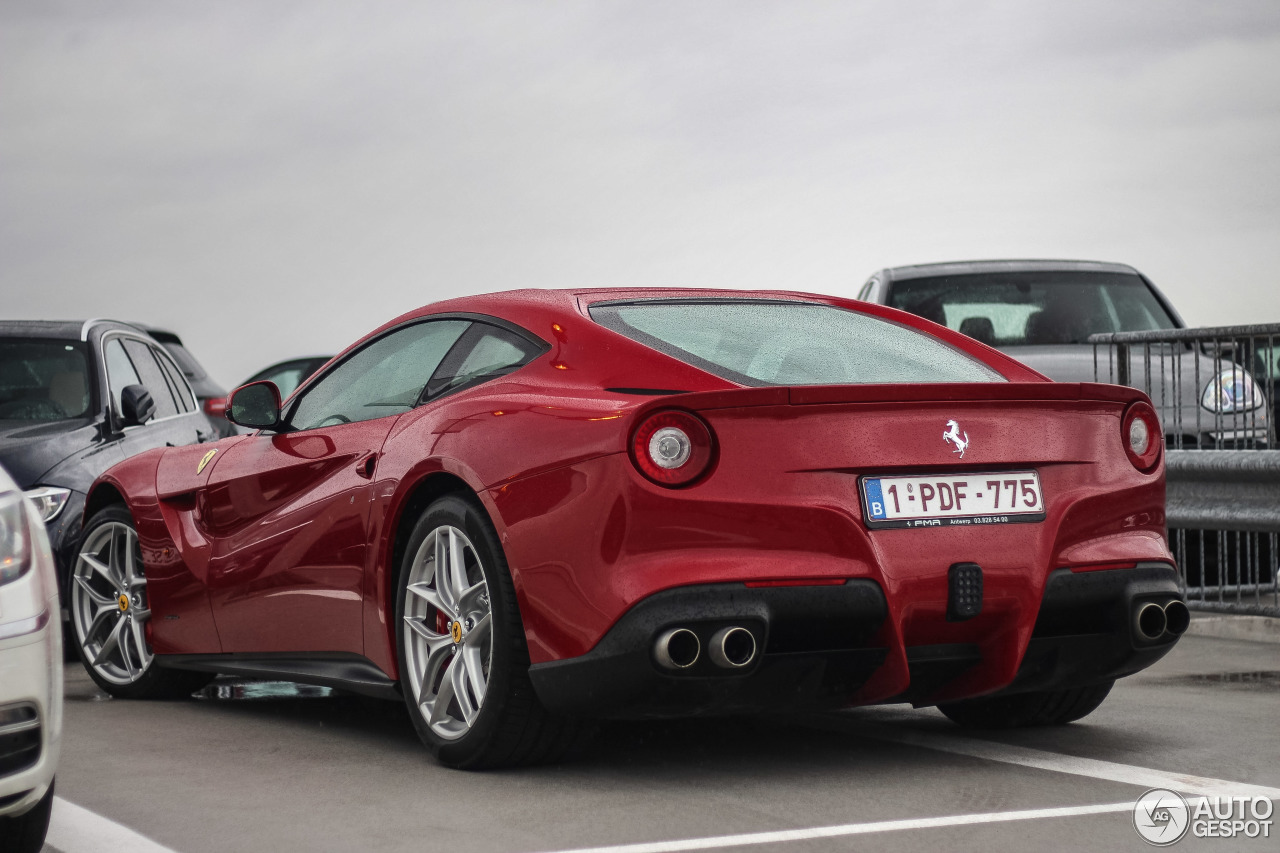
(790, 343)
(1034, 308)
(43, 380)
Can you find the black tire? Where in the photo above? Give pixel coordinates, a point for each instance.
(153, 682)
(1022, 710)
(25, 833)
(511, 727)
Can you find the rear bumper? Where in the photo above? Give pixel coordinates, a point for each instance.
(816, 649)
(820, 645)
(1083, 633)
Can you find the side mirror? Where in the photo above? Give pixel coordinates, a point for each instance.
(256, 406)
(136, 405)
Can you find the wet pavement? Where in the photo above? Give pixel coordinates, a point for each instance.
(281, 767)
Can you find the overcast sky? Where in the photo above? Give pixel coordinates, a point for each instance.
(275, 179)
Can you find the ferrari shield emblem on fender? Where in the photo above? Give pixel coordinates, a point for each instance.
(204, 460)
(953, 435)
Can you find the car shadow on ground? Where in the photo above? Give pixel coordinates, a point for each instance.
(780, 745)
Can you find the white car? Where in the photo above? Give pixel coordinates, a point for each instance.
(30, 673)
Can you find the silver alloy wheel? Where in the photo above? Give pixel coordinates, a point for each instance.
(109, 604)
(448, 632)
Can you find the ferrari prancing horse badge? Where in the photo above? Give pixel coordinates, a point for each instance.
(204, 460)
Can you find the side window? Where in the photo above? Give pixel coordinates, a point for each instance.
(144, 362)
(182, 393)
(120, 372)
(487, 351)
(384, 378)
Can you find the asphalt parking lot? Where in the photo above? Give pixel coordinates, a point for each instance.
(269, 767)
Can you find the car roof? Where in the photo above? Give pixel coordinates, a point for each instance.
(554, 317)
(538, 309)
(60, 329)
(950, 268)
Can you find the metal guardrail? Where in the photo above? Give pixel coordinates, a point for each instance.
(1215, 391)
(1223, 511)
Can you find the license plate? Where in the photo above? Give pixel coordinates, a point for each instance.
(949, 500)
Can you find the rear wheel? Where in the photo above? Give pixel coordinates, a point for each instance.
(1022, 710)
(110, 611)
(464, 663)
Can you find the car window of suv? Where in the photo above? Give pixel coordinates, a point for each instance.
(144, 362)
(43, 379)
(182, 392)
(385, 377)
(1035, 308)
(120, 372)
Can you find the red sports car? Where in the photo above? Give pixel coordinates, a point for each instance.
(518, 511)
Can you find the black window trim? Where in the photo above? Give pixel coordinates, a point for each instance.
(318, 376)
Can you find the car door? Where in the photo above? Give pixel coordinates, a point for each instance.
(288, 512)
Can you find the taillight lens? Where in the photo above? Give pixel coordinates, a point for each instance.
(672, 447)
(215, 407)
(1142, 436)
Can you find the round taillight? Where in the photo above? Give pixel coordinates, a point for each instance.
(672, 447)
(1143, 440)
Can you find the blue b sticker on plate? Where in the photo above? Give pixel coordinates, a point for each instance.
(875, 501)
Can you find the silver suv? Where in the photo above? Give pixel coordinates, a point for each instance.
(1043, 312)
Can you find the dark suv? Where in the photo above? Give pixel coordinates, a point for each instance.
(78, 397)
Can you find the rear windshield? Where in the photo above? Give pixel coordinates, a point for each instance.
(43, 380)
(790, 343)
(1034, 308)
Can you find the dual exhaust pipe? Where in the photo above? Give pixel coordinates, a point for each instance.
(730, 648)
(1152, 621)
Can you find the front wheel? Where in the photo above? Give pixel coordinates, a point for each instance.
(1022, 710)
(109, 613)
(464, 663)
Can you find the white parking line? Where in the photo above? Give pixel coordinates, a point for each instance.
(792, 835)
(73, 829)
(1129, 774)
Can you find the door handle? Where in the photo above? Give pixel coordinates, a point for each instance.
(366, 466)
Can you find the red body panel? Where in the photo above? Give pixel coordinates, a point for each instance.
(286, 546)
(288, 521)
